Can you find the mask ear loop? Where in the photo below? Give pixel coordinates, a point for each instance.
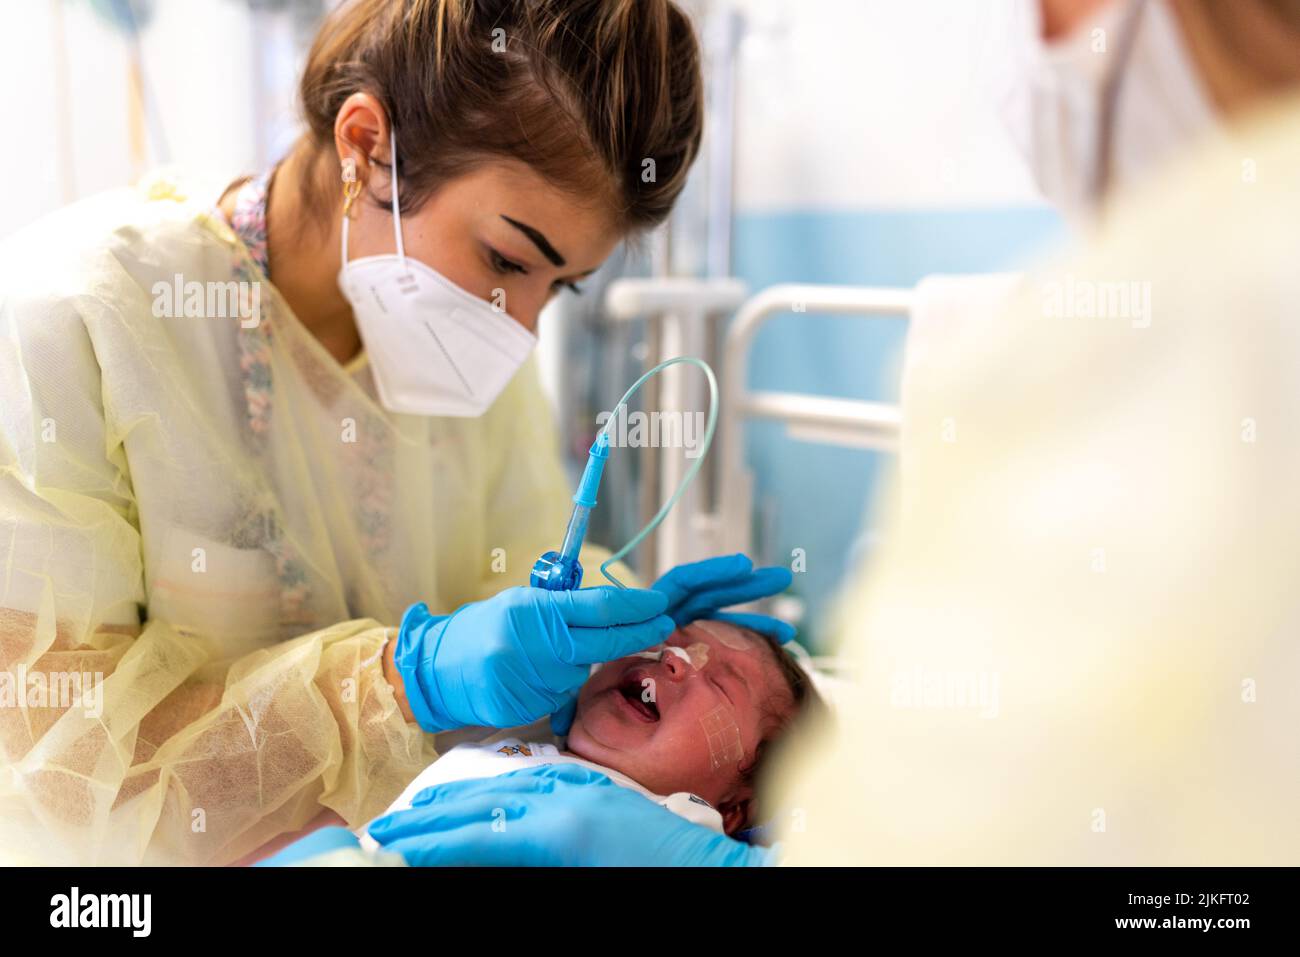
(397, 212)
(1105, 151)
(352, 189)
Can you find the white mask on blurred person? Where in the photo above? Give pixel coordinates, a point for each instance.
(1110, 102)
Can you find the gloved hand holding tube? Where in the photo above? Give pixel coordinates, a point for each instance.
(524, 653)
(521, 654)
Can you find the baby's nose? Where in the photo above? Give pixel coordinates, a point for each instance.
(677, 667)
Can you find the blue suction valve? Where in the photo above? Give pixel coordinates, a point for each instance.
(561, 571)
(596, 456)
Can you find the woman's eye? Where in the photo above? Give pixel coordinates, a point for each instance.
(501, 264)
(565, 284)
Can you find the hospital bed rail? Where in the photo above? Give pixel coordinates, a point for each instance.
(681, 307)
(833, 421)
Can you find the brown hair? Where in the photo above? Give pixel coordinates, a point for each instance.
(602, 98)
(1246, 51)
(808, 708)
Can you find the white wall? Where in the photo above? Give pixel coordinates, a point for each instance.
(877, 104)
(77, 127)
(842, 104)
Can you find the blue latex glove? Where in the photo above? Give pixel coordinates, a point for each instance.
(700, 589)
(521, 654)
(552, 816)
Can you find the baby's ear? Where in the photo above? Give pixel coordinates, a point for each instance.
(735, 814)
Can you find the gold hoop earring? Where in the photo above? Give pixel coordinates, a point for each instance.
(351, 186)
(350, 192)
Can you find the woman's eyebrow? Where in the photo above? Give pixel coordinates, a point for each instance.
(540, 241)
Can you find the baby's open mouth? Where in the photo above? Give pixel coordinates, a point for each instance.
(635, 693)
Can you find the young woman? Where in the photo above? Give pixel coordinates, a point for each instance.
(247, 432)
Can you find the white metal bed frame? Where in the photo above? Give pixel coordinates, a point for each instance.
(681, 304)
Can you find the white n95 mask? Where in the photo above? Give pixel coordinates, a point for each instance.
(434, 348)
(1109, 103)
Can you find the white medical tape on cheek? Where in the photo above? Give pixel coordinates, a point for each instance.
(723, 735)
(698, 655)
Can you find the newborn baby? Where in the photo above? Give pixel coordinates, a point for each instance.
(687, 724)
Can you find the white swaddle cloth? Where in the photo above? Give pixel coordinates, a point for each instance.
(502, 755)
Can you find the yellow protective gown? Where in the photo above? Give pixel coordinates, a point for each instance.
(223, 523)
(1080, 646)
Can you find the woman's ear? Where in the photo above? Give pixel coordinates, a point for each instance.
(361, 131)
